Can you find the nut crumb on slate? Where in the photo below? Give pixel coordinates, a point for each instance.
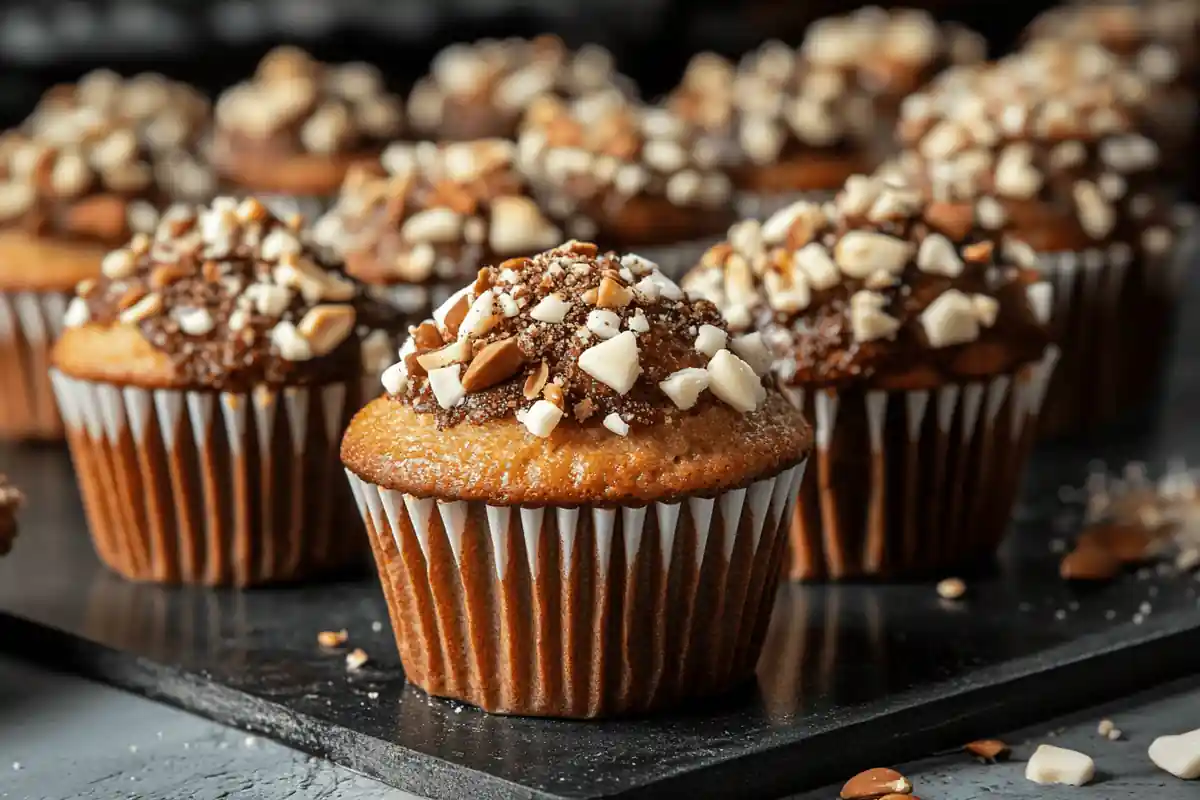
(332, 639)
(356, 658)
(244, 300)
(561, 358)
(11, 500)
(810, 278)
(875, 783)
(951, 588)
(988, 749)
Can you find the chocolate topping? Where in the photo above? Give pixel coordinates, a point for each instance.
(11, 500)
(572, 334)
(876, 284)
(231, 295)
(590, 156)
(96, 158)
(435, 214)
(295, 104)
(480, 90)
(1059, 128)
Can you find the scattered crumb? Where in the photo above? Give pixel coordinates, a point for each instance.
(1114, 734)
(250, 741)
(1060, 615)
(951, 588)
(1144, 608)
(356, 658)
(332, 639)
(16, 765)
(159, 734)
(1110, 614)
(989, 750)
(1105, 727)
(373, 695)
(1138, 619)
(187, 745)
(133, 748)
(1050, 764)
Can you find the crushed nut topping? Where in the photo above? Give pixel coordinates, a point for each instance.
(295, 103)
(1064, 127)
(562, 357)
(95, 159)
(590, 156)
(871, 284)
(482, 89)
(231, 294)
(435, 213)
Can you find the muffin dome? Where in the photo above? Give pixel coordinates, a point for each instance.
(878, 288)
(225, 297)
(1049, 143)
(435, 213)
(574, 377)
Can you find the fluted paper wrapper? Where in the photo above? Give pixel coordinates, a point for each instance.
(909, 483)
(213, 488)
(29, 324)
(1112, 319)
(579, 612)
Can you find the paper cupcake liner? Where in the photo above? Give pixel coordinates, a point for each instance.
(29, 324)
(579, 612)
(907, 483)
(1112, 319)
(212, 488)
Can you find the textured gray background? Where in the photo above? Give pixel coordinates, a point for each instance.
(75, 739)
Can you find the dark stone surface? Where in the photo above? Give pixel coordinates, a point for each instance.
(852, 674)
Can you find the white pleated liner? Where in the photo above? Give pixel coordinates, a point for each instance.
(579, 612)
(211, 487)
(939, 481)
(30, 322)
(1110, 318)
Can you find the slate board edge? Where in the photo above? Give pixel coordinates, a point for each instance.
(1065, 678)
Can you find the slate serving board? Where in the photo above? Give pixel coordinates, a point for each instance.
(852, 676)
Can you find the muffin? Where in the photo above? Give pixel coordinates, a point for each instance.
(803, 121)
(205, 378)
(417, 227)
(1044, 148)
(612, 543)
(10, 503)
(76, 180)
(628, 176)
(481, 90)
(295, 128)
(920, 349)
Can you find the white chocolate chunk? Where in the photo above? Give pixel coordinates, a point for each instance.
(776, 228)
(289, 343)
(614, 362)
(438, 225)
(1096, 215)
(950, 319)
(860, 253)
(710, 339)
(542, 418)
(751, 348)
(784, 295)
(1178, 755)
(1041, 300)
(395, 378)
(818, 266)
(868, 321)
(1015, 174)
(735, 382)
(194, 321)
(638, 265)
(938, 256)
(604, 323)
(684, 387)
(986, 309)
(551, 308)
(446, 386)
(656, 285)
(617, 425)
(77, 313)
(1050, 764)
(990, 213)
(638, 322)
(508, 306)
(1019, 253)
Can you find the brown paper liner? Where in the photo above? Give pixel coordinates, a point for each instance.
(212, 488)
(29, 324)
(579, 612)
(904, 484)
(1112, 319)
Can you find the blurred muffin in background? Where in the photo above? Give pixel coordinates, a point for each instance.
(295, 128)
(1052, 147)
(419, 224)
(481, 90)
(627, 176)
(802, 121)
(205, 378)
(90, 167)
(919, 351)
(11, 500)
